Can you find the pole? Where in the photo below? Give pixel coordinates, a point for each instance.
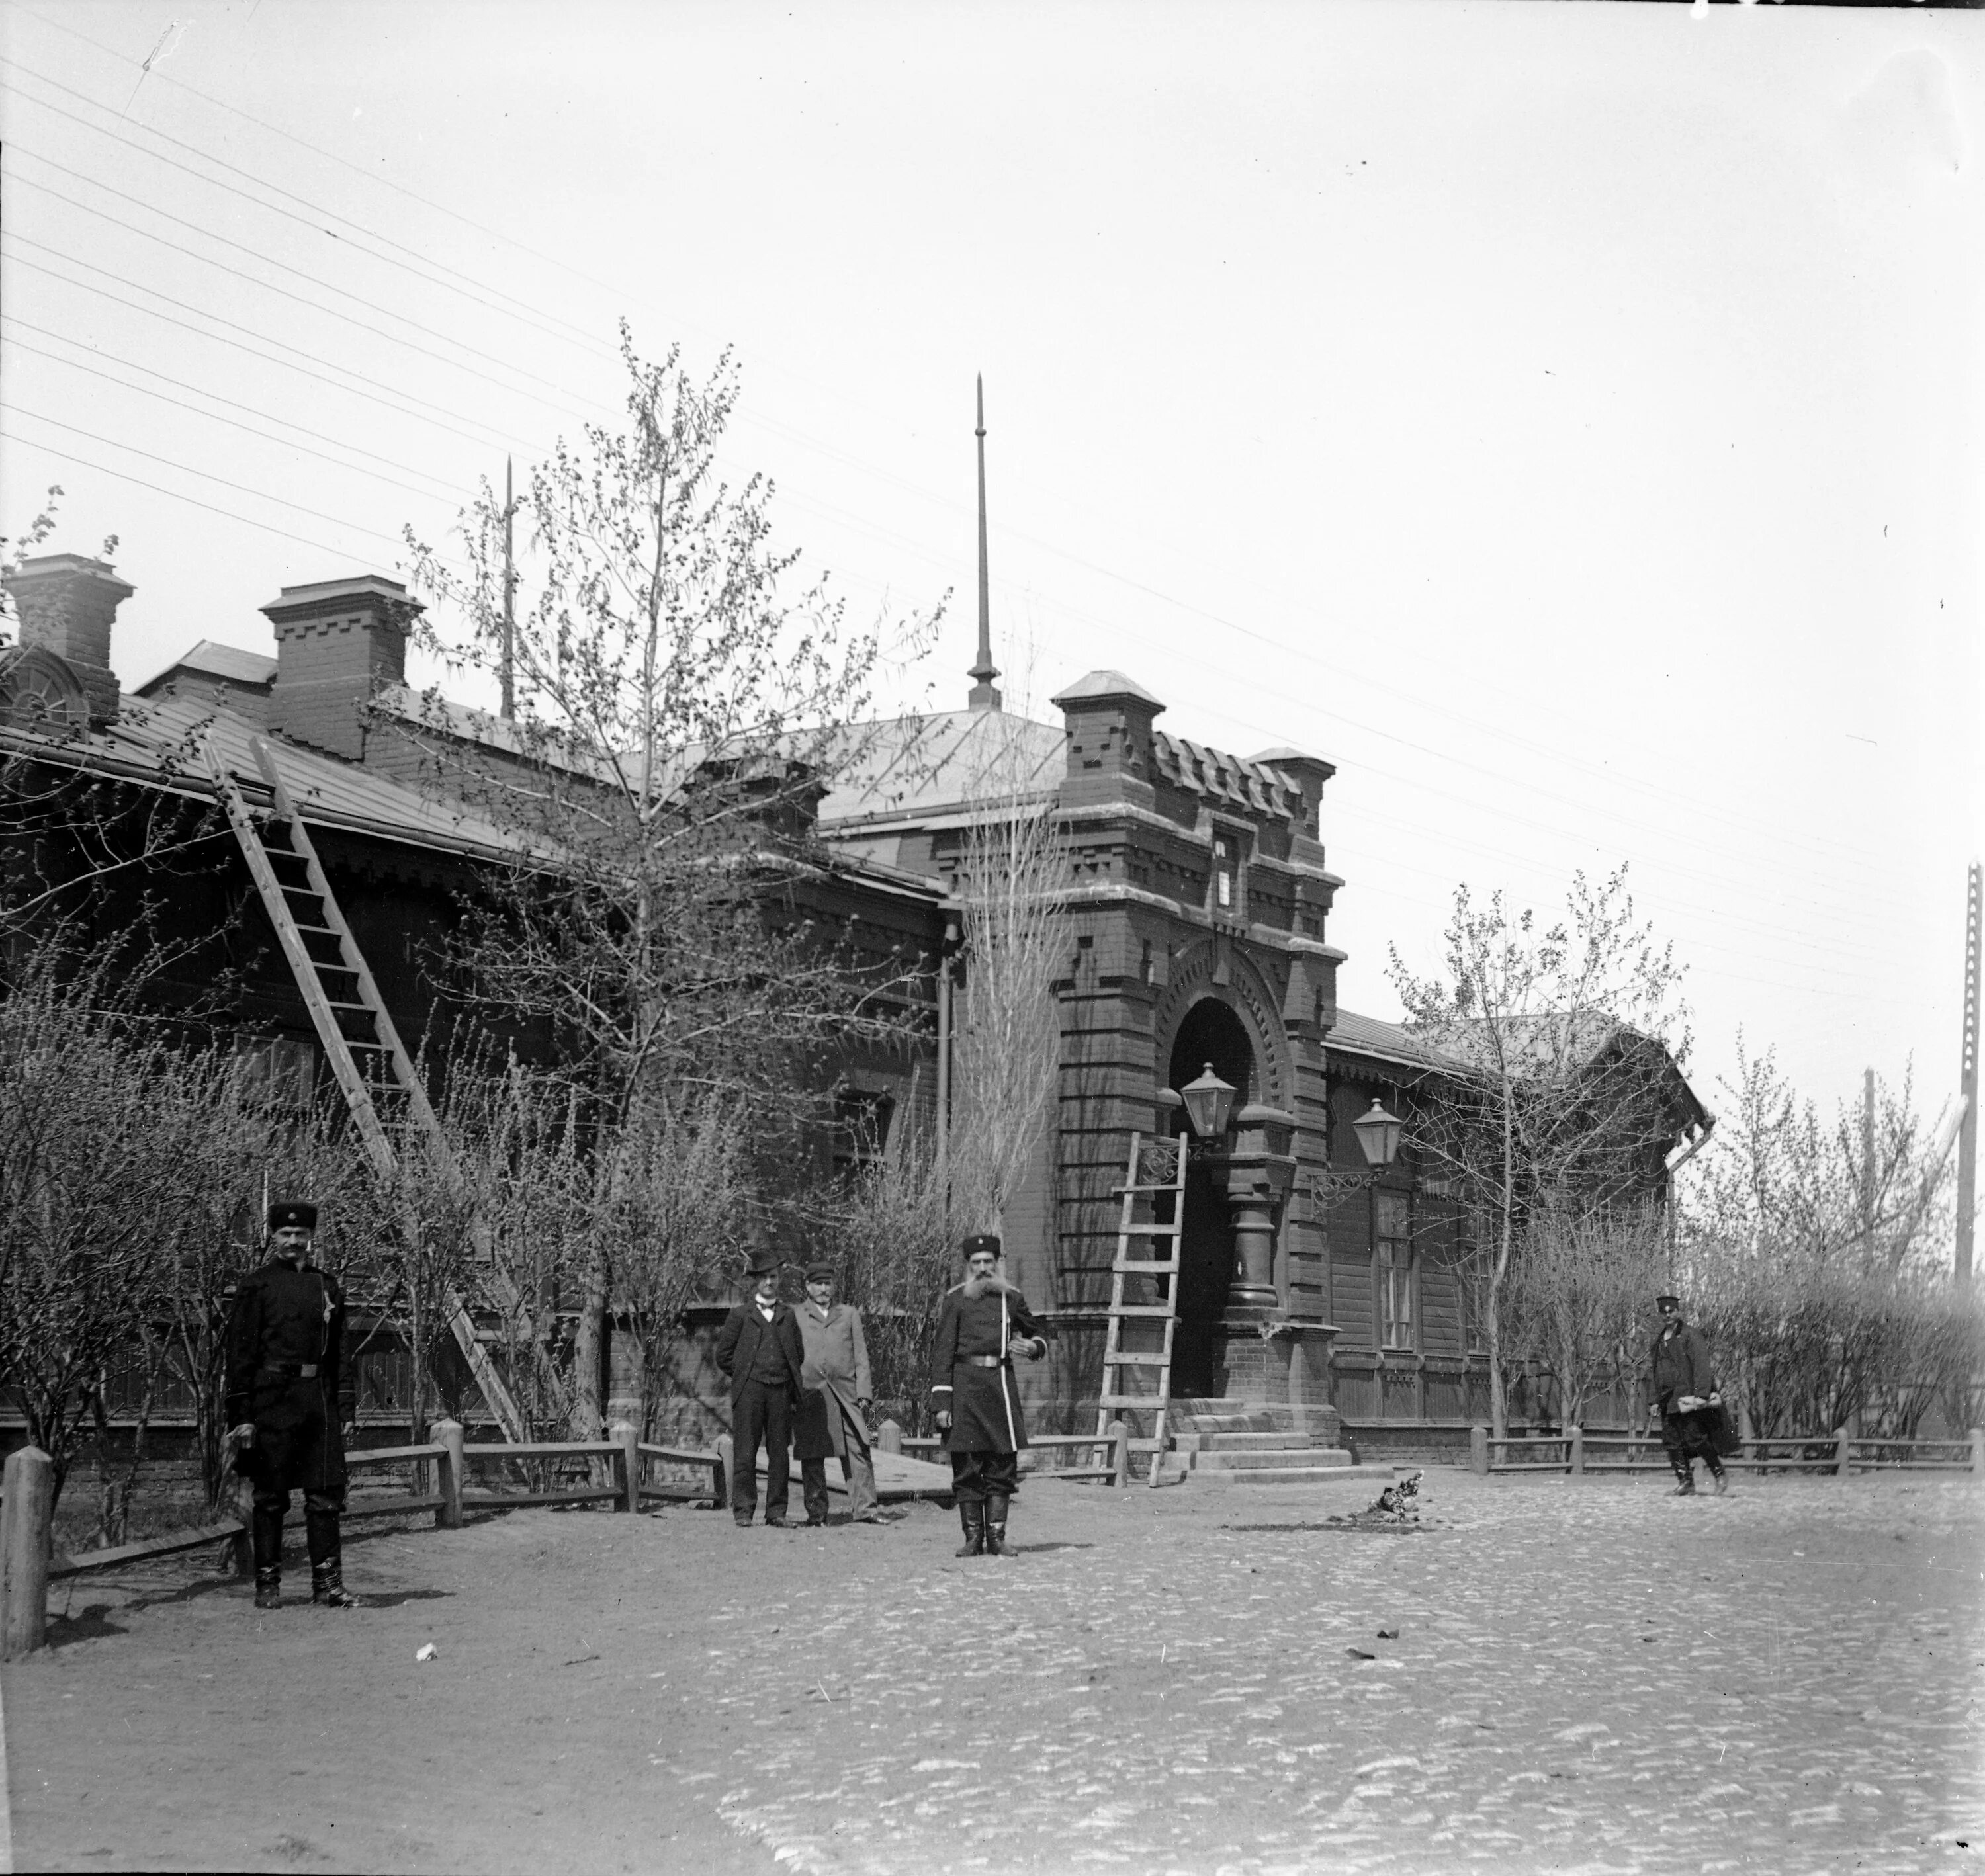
(509, 703)
(26, 1516)
(1868, 1165)
(1967, 1086)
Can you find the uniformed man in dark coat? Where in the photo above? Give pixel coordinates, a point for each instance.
(985, 1322)
(1686, 1397)
(288, 1402)
(759, 1348)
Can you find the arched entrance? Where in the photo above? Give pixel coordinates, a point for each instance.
(1210, 1033)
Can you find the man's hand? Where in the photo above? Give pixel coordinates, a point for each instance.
(943, 1422)
(1688, 1403)
(1034, 1347)
(863, 1403)
(1715, 1399)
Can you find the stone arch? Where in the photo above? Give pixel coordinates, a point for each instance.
(1213, 969)
(37, 688)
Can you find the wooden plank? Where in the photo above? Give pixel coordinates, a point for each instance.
(385, 1507)
(189, 1538)
(679, 1455)
(542, 1449)
(385, 1456)
(485, 1501)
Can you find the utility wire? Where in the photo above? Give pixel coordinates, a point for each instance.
(1613, 777)
(337, 520)
(407, 406)
(436, 273)
(446, 490)
(266, 286)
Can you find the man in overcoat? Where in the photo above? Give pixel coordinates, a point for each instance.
(288, 1401)
(833, 1410)
(759, 1349)
(1686, 1396)
(984, 1324)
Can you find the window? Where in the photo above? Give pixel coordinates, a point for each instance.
(1227, 874)
(1471, 1259)
(861, 1119)
(1392, 1222)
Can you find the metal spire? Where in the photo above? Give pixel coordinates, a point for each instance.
(985, 694)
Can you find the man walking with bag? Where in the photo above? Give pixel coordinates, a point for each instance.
(1686, 1397)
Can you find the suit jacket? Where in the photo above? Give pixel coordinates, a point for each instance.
(836, 1376)
(737, 1345)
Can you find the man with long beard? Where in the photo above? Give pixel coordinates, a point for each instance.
(986, 1322)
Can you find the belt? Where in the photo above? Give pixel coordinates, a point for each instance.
(301, 1370)
(983, 1361)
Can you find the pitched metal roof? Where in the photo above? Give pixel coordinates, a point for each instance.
(211, 659)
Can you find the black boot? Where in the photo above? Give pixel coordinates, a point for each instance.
(265, 1538)
(996, 1527)
(328, 1587)
(1686, 1473)
(1718, 1477)
(971, 1515)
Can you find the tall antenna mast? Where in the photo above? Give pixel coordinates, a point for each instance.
(985, 694)
(1967, 1086)
(509, 704)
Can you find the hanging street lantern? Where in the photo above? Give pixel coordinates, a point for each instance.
(1208, 1102)
(1378, 1134)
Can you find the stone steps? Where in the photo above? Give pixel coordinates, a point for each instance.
(1373, 1476)
(1256, 1458)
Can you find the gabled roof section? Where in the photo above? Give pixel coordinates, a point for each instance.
(920, 764)
(211, 659)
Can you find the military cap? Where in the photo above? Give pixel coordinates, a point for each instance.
(1660, 1302)
(820, 1270)
(293, 1212)
(973, 1245)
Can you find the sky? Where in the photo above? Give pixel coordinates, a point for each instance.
(1564, 418)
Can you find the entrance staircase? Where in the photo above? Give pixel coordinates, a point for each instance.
(1216, 1442)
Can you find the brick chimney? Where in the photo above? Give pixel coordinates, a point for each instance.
(337, 642)
(1109, 717)
(66, 604)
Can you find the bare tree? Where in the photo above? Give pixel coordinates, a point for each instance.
(678, 715)
(1568, 1040)
(1019, 941)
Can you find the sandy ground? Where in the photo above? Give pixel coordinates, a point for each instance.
(1586, 1677)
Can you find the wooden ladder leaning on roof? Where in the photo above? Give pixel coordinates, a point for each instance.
(1155, 1171)
(363, 1048)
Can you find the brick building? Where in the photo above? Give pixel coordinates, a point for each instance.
(1201, 893)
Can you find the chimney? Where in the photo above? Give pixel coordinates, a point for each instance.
(1109, 717)
(337, 643)
(66, 604)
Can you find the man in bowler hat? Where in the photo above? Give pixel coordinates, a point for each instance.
(1686, 1397)
(985, 1322)
(288, 1402)
(760, 1350)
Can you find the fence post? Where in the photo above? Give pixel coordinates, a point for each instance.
(26, 1519)
(1977, 1452)
(628, 1437)
(448, 1513)
(1120, 1455)
(1843, 1454)
(889, 1437)
(1478, 1449)
(244, 1509)
(1577, 1444)
(726, 1466)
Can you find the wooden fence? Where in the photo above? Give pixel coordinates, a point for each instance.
(1116, 1441)
(1840, 1453)
(439, 1483)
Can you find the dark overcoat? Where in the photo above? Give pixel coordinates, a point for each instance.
(983, 1402)
(287, 1321)
(737, 1345)
(1681, 1362)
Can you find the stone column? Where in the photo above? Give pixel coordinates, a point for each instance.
(1258, 1173)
